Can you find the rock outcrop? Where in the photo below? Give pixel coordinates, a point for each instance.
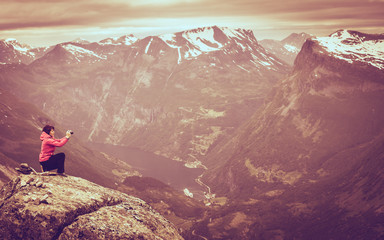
(65, 207)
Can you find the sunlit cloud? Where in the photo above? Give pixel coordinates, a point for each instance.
(97, 18)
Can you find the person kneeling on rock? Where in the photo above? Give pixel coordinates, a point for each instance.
(48, 160)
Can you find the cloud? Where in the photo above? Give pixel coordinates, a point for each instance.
(21, 15)
(35, 13)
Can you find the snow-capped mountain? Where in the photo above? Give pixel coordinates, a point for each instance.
(327, 70)
(353, 47)
(288, 48)
(11, 51)
(302, 163)
(79, 52)
(203, 40)
(71, 53)
(191, 44)
(81, 41)
(123, 40)
(167, 86)
(313, 151)
(16, 45)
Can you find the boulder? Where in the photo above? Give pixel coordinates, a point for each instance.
(67, 207)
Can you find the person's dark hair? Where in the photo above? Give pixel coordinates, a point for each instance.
(47, 129)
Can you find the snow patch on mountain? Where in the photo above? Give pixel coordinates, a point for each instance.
(123, 40)
(169, 39)
(208, 39)
(80, 52)
(193, 43)
(243, 68)
(13, 51)
(22, 48)
(81, 40)
(291, 48)
(149, 44)
(231, 33)
(353, 47)
(203, 39)
(239, 34)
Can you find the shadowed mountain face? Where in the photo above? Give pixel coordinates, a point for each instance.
(175, 94)
(288, 48)
(327, 105)
(314, 150)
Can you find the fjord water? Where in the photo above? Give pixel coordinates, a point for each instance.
(170, 172)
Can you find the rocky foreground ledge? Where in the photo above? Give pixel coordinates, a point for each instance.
(58, 207)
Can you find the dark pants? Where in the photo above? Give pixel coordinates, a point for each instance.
(54, 162)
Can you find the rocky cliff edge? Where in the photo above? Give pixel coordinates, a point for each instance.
(59, 207)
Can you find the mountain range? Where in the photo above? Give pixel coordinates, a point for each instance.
(306, 164)
(290, 152)
(113, 87)
(174, 94)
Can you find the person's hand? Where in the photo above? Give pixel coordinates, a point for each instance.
(68, 134)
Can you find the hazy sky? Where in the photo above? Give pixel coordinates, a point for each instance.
(47, 22)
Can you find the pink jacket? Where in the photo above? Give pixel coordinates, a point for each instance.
(49, 145)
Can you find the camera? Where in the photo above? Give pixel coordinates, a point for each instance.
(70, 131)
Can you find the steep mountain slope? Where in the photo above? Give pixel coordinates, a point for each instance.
(20, 127)
(288, 48)
(181, 210)
(175, 94)
(312, 153)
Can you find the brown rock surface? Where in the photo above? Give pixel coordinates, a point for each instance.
(73, 208)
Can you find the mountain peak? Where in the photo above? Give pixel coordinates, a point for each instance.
(123, 40)
(21, 47)
(353, 46)
(288, 48)
(297, 37)
(197, 41)
(9, 40)
(229, 32)
(13, 51)
(205, 29)
(52, 207)
(81, 40)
